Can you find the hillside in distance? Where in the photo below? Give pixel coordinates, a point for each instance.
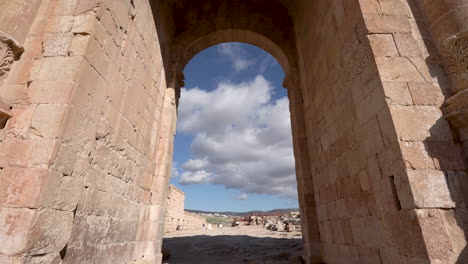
(285, 210)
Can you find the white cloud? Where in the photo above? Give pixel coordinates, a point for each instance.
(174, 171)
(236, 54)
(195, 164)
(242, 138)
(242, 196)
(194, 177)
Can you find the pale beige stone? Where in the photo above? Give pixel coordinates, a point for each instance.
(383, 45)
(47, 120)
(430, 189)
(420, 123)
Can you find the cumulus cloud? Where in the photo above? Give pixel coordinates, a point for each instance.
(236, 54)
(242, 138)
(194, 177)
(174, 171)
(242, 196)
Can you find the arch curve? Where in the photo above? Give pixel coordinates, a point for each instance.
(200, 26)
(234, 35)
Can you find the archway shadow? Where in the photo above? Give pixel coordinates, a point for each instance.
(232, 249)
(448, 155)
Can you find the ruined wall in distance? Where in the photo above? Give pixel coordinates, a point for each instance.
(175, 209)
(175, 214)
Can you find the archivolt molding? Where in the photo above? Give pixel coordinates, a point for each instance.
(10, 51)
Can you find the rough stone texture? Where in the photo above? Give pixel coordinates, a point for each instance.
(175, 214)
(379, 125)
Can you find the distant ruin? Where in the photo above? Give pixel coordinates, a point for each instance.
(176, 217)
(378, 100)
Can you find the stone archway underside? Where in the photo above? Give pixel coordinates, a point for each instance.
(85, 155)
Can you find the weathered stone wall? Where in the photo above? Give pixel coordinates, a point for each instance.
(85, 157)
(175, 214)
(193, 221)
(381, 152)
(175, 209)
(17, 17)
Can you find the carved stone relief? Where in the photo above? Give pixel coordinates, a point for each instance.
(456, 59)
(455, 51)
(9, 52)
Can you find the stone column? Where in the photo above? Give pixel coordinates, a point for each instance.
(165, 148)
(310, 231)
(447, 21)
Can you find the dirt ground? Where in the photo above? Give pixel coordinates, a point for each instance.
(233, 245)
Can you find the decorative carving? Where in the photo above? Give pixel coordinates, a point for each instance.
(9, 52)
(456, 59)
(6, 57)
(455, 51)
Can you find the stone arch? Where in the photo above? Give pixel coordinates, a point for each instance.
(233, 35)
(199, 25)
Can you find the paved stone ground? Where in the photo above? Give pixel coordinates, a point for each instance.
(232, 245)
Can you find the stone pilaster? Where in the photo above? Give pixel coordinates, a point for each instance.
(447, 22)
(310, 231)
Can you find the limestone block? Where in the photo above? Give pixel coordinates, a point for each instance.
(48, 120)
(416, 155)
(21, 187)
(84, 6)
(398, 69)
(68, 194)
(405, 235)
(407, 45)
(97, 58)
(426, 94)
(429, 189)
(13, 93)
(383, 45)
(439, 244)
(27, 152)
(390, 161)
(67, 156)
(60, 8)
(397, 93)
(59, 24)
(84, 24)
(56, 44)
(50, 91)
(14, 229)
(371, 137)
(387, 24)
(58, 68)
(420, 123)
(32, 47)
(370, 105)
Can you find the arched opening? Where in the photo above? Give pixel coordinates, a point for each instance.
(233, 150)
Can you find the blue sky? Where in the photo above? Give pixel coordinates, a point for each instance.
(233, 149)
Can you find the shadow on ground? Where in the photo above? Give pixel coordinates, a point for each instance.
(231, 249)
